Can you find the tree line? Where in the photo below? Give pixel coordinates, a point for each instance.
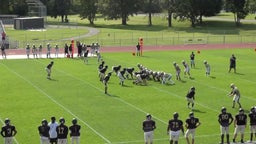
(181, 10)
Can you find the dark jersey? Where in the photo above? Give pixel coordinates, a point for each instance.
(148, 125)
(44, 130)
(106, 79)
(62, 131)
(175, 125)
(224, 119)
(192, 123)
(101, 66)
(129, 70)
(103, 70)
(252, 117)
(241, 119)
(233, 62)
(191, 94)
(49, 66)
(192, 56)
(75, 130)
(86, 53)
(8, 131)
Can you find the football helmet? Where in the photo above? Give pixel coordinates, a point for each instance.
(175, 115)
(223, 109)
(7, 121)
(74, 121)
(44, 122)
(191, 114)
(62, 120)
(148, 115)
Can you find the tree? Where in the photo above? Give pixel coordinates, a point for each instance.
(61, 8)
(89, 10)
(151, 6)
(240, 9)
(115, 9)
(170, 5)
(18, 7)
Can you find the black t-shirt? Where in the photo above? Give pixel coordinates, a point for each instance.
(148, 125)
(192, 122)
(241, 119)
(175, 125)
(75, 130)
(44, 130)
(252, 117)
(224, 119)
(191, 94)
(62, 131)
(8, 131)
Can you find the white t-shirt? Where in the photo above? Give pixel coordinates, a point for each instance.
(53, 132)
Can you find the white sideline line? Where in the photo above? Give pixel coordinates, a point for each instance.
(13, 137)
(56, 102)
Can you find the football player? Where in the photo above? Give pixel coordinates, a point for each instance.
(48, 54)
(166, 77)
(191, 124)
(177, 69)
(34, 51)
(148, 127)
(49, 69)
(187, 68)
(56, 51)
(240, 124)
(44, 132)
(8, 131)
(105, 82)
(207, 68)
(236, 95)
(121, 77)
(62, 132)
(28, 50)
(129, 72)
(175, 126)
(225, 119)
(252, 116)
(116, 69)
(75, 132)
(191, 97)
(53, 133)
(102, 72)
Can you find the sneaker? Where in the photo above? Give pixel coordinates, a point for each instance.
(242, 141)
(234, 141)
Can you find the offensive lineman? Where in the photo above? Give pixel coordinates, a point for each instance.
(44, 132)
(75, 132)
(174, 127)
(191, 124)
(62, 132)
(225, 119)
(148, 127)
(8, 132)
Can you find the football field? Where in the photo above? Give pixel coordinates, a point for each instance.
(75, 91)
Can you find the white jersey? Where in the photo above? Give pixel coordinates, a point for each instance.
(52, 132)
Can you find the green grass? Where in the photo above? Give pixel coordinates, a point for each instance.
(75, 91)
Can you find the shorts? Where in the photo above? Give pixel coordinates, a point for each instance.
(190, 100)
(190, 132)
(148, 136)
(236, 98)
(224, 130)
(62, 141)
(253, 128)
(239, 129)
(174, 135)
(53, 139)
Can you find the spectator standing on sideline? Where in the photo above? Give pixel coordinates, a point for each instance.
(236, 95)
(27, 50)
(3, 51)
(138, 49)
(48, 54)
(8, 132)
(79, 49)
(192, 60)
(240, 124)
(3, 36)
(56, 51)
(191, 124)
(66, 50)
(225, 119)
(49, 70)
(175, 126)
(148, 127)
(252, 116)
(70, 49)
(207, 68)
(34, 51)
(99, 58)
(191, 97)
(53, 131)
(232, 63)
(62, 132)
(75, 132)
(40, 48)
(43, 130)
